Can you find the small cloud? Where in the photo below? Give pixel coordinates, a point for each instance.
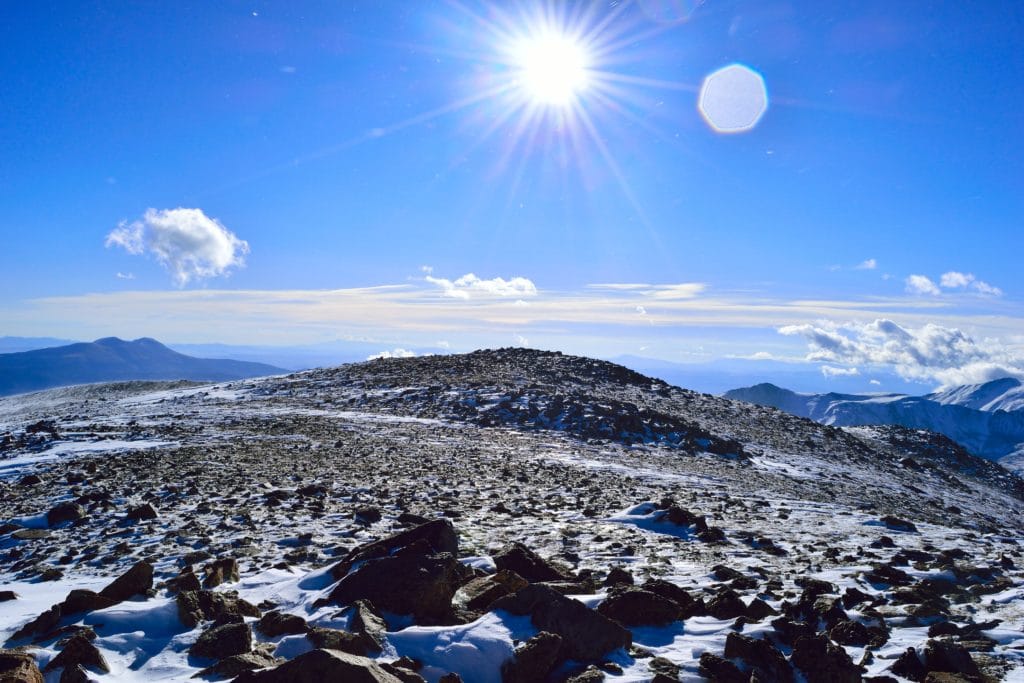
(641, 310)
(394, 353)
(953, 279)
(427, 269)
(444, 344)
(919, 284)
(125, 276)
(875, 382)
(469, 285)
(868, 264)
(186, 242)
(522, 341)
(831, 372)
(986, 288)
(288, 69)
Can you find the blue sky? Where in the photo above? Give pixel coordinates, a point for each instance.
(349, 162)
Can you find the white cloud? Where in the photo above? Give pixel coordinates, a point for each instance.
(874, 382)
(395, 353)
(830, 371)
(919, 284)
(641, 310)
(953, 279)
(186, 242)
(957, 280)
(125, 276)
(868, 264)
(986, 288)
(469, 286)
(928, 353)
(682, 290)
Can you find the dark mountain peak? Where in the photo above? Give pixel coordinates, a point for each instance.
(112, 359)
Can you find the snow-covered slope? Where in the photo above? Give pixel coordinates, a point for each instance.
(1001, 394)
(462, 499)
(986, 419)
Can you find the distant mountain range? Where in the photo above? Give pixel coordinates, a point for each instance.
(986, 419)
(112, 359)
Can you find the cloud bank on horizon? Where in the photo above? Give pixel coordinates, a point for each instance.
(929, 353)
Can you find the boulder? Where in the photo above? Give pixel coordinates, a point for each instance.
(219, 642)
(79, 651)
(367, 622)
(81, 600)
(533, 660)
(273, 624)
(687, 604)
(586, 634)
(638, 607)
(908, 665)
(823, 662)
(946, 656)
(64, 512)
(17, 666)
(234, 665)
(198, 606)
(220, 571)
(137, 580)
(727, 605)
(516, 557)
(142, 512)
(847, 632)
(439, 534)
(479, 593)
(720, 670)
(318, 666)
(760, 655)
(410, 582)
(335, 639)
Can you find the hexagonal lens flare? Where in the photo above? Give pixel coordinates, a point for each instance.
(733, 99)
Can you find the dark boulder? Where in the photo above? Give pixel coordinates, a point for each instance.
(516, 557)
(533, 660)
(136, 581)
(79, 651)
(319, 666)
(141, 513)
(410, 582)
(18, 666)
(220, 571)
(947, 656)
(195, 607)
(586, 634)
(232, 666)
(64, 512)
(439, 534)
(638, 607)
(823, 662)
(273, 624)
(720, 670)
(760, 655)
(369, 624)
(223, 641)
(336, 639)
(480, 592)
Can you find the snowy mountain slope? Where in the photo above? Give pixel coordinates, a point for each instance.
(982, 418)
(1000, 394)
(312, 485)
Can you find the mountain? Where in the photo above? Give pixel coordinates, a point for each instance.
(16, 344)
(987, 419)
(111, 359)
(503, 515)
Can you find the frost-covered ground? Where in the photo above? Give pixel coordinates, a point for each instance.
(587, 465)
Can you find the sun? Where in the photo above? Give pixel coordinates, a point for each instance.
(551, 68)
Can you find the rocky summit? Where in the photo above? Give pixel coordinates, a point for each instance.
(504, 515)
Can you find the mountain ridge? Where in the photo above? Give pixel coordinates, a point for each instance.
(112, 359)
(975, 416)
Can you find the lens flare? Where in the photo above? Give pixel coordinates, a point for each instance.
(552, 68)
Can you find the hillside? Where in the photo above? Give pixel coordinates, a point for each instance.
(986, 419)
(505, 515)
(112, 360)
